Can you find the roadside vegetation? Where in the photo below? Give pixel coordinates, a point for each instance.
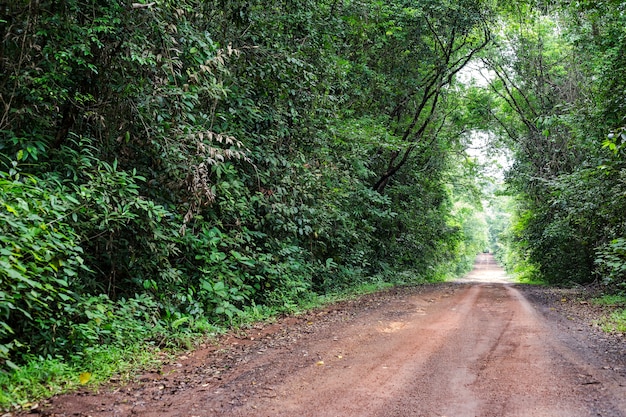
(556, 72)
(615, 321)
(172, 169)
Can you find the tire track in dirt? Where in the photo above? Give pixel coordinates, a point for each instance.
(481, 352)
(378, 364)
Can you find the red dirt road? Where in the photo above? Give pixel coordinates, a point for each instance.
(474, 348)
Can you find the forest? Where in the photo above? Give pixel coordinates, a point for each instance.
(172, 168)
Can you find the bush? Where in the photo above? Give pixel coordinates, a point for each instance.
(611, 263)
(40, 260)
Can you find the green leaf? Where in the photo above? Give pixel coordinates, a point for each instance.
(178, 322)
(12, 273)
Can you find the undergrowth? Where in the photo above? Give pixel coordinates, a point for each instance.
(616, 321)
(615, 300)
(41, 378)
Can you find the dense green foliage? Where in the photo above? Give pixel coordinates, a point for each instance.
(166, 165)
(556, 99)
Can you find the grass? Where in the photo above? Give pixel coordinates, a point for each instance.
(42, 378)
(612, 300)
(614, 322)
(530, 280)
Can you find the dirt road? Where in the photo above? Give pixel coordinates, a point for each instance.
(473, 348)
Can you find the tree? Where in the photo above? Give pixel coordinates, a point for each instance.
(202, 158)
(408, 63)
(549, 105)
